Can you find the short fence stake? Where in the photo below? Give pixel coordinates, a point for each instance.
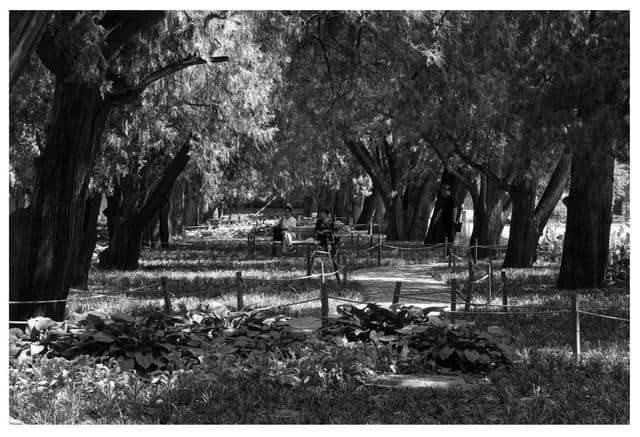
(503, 279)
(454, 291)
(575, 306)
(308, 263)
(358, 246)
(239, 292)
(167, 297)
(475, 253)
(396, 293)
(324, 301)
(489, 282)
(379, 248)
(467, 303)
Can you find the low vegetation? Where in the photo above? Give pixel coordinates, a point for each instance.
(318, 378)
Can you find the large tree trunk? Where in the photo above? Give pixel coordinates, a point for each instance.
(123, 252)
(439, 224)
(190, 213)
(523, 233)
(528, 223)
(41, 261)
(586, 241)
(176, 213)
(418, 202)
(487, 217)
(165, 231)
(87, 243)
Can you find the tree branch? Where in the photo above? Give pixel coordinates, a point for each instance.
(501, 182)
(122, 25)
(134, 92)
(470, 184)
(366, 160)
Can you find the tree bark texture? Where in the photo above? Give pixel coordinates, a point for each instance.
(487, 216)
(42, 259)
(589, 211)
(123, 252)
(87, 243)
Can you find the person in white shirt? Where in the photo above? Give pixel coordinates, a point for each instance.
(287, 226)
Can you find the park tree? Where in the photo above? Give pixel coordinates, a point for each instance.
(351, 73)
(589, 62)
(221, 105)
(99, 60)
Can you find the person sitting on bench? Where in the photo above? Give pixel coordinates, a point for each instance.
(283, 231)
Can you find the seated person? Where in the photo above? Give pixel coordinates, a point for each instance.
(283, 231)
(325, 227)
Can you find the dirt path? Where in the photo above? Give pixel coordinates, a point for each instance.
(420, 285)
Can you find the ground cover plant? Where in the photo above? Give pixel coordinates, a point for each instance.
(209, 363)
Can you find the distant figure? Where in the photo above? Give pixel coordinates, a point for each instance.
(448, 214)
(324, 231)
(284, 230)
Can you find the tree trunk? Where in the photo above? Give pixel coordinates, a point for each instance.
(87, 243)
(368, 208)
(189, 218)
(487, 217)
(340, 204)
(419, 202)
(523, 233)
(357, 202)
(307, 206)
(395, 220)
(177, 208)
(586, 241)
(164, 224)
(41, 261)
(124, 249)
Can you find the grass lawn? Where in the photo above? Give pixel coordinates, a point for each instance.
(318, 381)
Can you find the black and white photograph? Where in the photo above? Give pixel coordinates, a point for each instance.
(324, 214)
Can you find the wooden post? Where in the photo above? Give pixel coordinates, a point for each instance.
(371, 240)
(454, 297)
(475, 253)
(575, 307)
(324, 302)
(379, 248)
(467, 303)
(273, 248)
(167, 297)
(239, 291)
(308, 262)
(358, 246)
(396, 293)
(371, 228)
(351, 234)
(489, 283)
(503, 279)
(446, 243)
(397, 256)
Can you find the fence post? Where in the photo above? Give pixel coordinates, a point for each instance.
(475, 253)
(308, 263)
(503, 279)
(379, 248)
(396, 293)
(446, 242)
(324, 302)
(489, 273)
(239, 291)
(467, 303)
(273, 249)
(167, 297)
(575, 307)
(358, 246)
(371, 229)
(454, 292)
